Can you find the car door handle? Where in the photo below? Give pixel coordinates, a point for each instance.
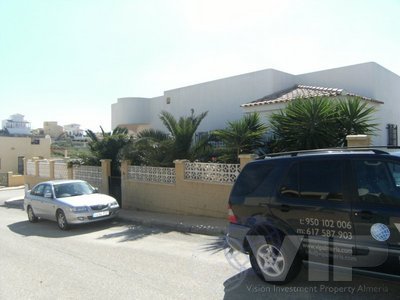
(285, 208)
(366, 215)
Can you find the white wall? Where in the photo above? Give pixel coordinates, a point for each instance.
(369, 80)
(222, 98)
(131, 110)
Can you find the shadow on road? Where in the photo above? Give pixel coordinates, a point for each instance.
(246, 285)
(125, 232)
(50, 229)
(216, 244)
(16, 204)
(134, 232)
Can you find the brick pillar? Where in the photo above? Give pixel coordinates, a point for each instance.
(179, 201)
(36, 168)
(180, 170)
(25, 165)
(124, 169)
(360, 140)
(9, 178)
(245, 159)
(51, 166)
(106, 173)
(70, 171)
(124, 177)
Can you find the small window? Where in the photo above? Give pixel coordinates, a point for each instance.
(251, 181)
(315, 180)
(38, 191)
(290, 186)
(392, 135)
(322, 180)
(378, 182)
(35, 141)
(48, 189)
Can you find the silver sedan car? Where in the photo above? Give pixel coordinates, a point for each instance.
(68, 202)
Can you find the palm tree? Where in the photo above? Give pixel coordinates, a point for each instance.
(157, 148)
(355, 117)
(320, 122)
(241, 136)
(182, 132)
(151, 148)
(109, 145)
(305, 124)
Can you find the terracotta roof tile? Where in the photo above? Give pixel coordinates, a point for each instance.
(303, 92)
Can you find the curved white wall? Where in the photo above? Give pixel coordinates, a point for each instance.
(131, 110)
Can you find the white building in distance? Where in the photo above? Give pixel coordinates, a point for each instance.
(267, 91)
(75, 132)
(16, 125)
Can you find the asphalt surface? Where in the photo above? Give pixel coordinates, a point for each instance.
(130, 261)
(106, 260)
(180, 223)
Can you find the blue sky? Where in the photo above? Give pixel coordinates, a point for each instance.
(69, 60)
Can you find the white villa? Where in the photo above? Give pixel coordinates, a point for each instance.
(75, 132)
(267, 91)
(16, 125)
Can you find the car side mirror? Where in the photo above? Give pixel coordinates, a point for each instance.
(95, 191)
(48, 195)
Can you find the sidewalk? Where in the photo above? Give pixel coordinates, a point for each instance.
(181, 223)
(4, 188)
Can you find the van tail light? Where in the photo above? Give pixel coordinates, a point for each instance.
(231, 216)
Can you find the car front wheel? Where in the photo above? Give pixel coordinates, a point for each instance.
(62, 220)
(31, 215)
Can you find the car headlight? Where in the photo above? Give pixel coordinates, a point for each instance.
(114, 204)
(78, 209)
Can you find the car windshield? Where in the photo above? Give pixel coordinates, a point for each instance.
(73, 189)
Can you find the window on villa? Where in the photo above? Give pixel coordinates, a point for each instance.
(392, 135)
(35, 141)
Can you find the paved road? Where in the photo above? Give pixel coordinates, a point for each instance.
(6, 194)
(126, 261)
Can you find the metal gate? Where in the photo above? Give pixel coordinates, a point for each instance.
(21, 165)
(3, 179)
(115, 188)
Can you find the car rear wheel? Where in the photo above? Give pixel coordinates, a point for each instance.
(275, 262)
(31, 215)
(62, 220)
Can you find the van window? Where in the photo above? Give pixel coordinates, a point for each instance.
(250, 181)
(378, 181)
(315, 180)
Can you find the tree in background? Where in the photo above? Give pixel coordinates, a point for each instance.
(243, 136)
(108, 146)
(157, 148)
(355, 117)
(150, 148)
(320, 122)
(305, 124)
(182, 133)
